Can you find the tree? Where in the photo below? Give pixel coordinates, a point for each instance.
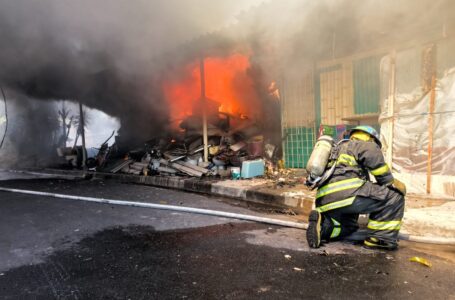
(79, 125)
(67, 120)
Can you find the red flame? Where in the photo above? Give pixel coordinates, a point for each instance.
(227, 82)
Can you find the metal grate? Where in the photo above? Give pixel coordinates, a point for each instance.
(298, 146)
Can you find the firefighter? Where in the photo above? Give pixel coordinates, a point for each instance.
(349, 192)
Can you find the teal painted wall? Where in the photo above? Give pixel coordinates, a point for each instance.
(366, 85)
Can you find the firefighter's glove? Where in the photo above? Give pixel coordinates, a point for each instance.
(398, 186)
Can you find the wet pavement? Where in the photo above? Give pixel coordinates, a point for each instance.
(64, 249)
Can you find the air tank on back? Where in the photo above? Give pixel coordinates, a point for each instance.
(319, 157)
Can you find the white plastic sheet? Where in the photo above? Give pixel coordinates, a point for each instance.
(411, 135)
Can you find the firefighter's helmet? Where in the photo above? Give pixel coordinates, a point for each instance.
(369, 130)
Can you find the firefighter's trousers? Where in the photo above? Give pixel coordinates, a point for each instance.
(385, 215)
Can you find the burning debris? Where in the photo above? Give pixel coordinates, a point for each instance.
(233, 144)
(224, 132)
(220, 126)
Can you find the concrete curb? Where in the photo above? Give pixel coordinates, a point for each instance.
(255, 194)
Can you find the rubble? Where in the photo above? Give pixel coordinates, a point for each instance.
(236, 149)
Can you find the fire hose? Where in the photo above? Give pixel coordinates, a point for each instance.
(216, 213)
(6, 118)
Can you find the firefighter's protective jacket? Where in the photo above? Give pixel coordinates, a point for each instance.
(355, 160)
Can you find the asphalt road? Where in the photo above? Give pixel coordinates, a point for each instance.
(65, 249)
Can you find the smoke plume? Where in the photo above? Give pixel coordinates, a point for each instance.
(111, 54)
(101, 53)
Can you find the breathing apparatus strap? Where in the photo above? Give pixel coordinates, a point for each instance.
(333, 161)
(326, 176)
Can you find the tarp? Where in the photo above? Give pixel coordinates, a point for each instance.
(411, 137)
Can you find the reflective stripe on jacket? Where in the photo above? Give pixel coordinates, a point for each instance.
(355, 160)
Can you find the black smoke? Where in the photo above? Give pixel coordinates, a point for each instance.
(106, 54)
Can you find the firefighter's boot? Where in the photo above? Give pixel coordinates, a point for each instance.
(313, 233)
(375, 243)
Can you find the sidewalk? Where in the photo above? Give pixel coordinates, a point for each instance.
(423, 216)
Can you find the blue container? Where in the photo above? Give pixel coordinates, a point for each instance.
(253, 168)
(235, 173)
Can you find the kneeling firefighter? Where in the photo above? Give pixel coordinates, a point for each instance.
(344, 192)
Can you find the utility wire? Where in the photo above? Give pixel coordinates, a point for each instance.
(398, 116)
(6, 117)
(426, 113)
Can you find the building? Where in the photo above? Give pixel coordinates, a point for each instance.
(389, 65)
(338, 64)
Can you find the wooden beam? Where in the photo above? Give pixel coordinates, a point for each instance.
(391, 108)
(204, 112)
(186, 170)
(430, 133)
(196, 168)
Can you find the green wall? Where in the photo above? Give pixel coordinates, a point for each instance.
(366, 85)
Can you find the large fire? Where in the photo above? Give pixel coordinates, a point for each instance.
(227, 83)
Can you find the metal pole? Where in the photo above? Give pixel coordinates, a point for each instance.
(204, 111)
(81, 124)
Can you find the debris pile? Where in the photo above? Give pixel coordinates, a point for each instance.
(236, 145)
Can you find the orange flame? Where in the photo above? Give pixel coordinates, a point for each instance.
(227, 82)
